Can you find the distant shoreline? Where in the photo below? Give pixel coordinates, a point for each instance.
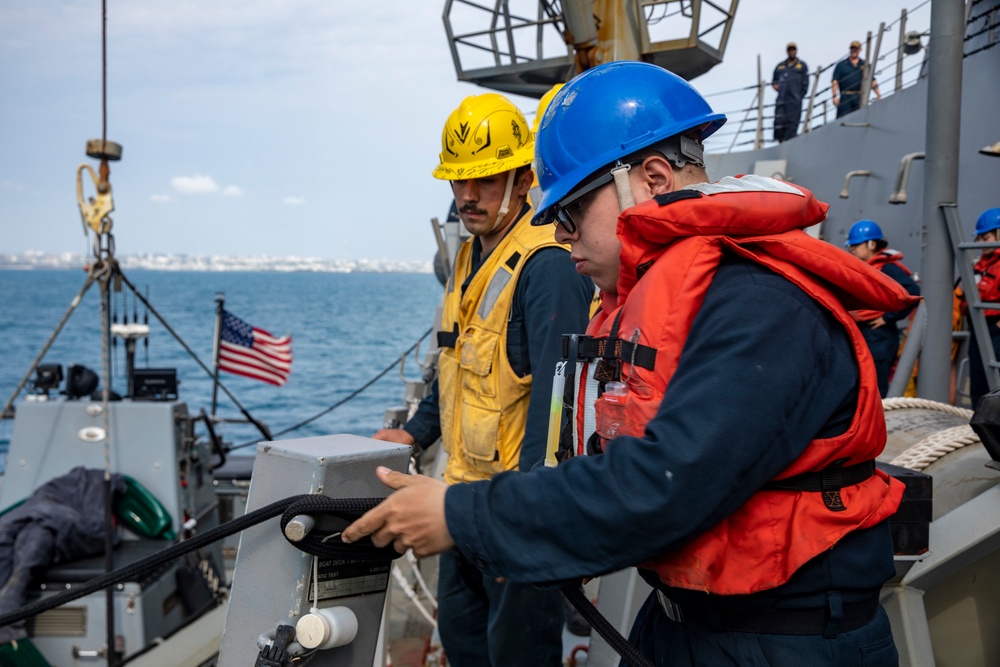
(31, 261)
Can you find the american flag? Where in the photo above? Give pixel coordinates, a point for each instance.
(252, 352)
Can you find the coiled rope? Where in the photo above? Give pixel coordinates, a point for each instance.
(936, 445)
(328, 544)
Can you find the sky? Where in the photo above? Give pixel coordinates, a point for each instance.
(303, 128)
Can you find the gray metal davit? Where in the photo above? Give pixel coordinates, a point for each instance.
(525, 47)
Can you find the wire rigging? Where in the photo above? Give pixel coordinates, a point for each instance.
(104, 73)
(344, 400)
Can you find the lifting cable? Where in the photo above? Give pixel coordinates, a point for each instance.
(317, 543)
(104, 275)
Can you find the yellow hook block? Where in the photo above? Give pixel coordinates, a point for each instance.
(94, 210)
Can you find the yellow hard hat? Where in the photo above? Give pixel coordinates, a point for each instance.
(543, 104)
(486, 135)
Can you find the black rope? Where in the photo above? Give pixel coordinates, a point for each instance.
(317, 543)
(329, 545)
(631, 655)
(347, 398)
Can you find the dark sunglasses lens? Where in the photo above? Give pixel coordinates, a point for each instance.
(562, 218)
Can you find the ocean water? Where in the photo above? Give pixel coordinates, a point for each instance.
(346, 328)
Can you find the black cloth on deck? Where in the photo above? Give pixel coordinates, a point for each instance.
(63, 520)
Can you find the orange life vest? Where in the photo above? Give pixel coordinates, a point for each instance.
(669, 256)
(878, 260)
(988, 279)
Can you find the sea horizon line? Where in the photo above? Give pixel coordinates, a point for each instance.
(31, 260)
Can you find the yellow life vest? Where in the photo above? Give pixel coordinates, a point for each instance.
(483, 403)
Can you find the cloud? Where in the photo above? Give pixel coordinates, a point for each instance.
(194, 185)
(232, 191)
(9, 185)
(160, 199)
(294, 201)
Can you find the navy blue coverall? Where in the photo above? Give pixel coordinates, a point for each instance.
(848, 78)
(792, 79)
(884, 340)
(483, 622)
(764, 371)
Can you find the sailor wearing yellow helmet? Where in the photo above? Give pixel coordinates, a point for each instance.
(513, 293)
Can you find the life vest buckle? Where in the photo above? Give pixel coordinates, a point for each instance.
(828, 482)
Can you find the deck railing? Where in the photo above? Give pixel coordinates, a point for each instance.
(892, 67)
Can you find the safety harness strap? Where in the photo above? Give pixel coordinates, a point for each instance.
(832, 478)
(828, 481)
(590, 348)
(828, 621)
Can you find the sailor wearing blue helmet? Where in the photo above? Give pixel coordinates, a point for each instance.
(989, 220)
(987, 270)
(863, 231)
(866, 241)
(724, 404)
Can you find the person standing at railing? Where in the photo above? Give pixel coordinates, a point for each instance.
(791, 81)
(848, 77)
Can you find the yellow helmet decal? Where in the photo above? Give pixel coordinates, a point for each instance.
(486, 135)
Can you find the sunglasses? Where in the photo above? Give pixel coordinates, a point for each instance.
(558, 213)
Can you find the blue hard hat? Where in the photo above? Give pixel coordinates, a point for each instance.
(609, 112)
(988, 221)
(862, 231)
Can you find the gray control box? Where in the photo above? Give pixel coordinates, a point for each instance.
(273, 580)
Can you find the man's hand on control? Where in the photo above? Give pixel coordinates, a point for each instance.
(411, 518)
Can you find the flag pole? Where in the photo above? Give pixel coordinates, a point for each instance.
(220, 300)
